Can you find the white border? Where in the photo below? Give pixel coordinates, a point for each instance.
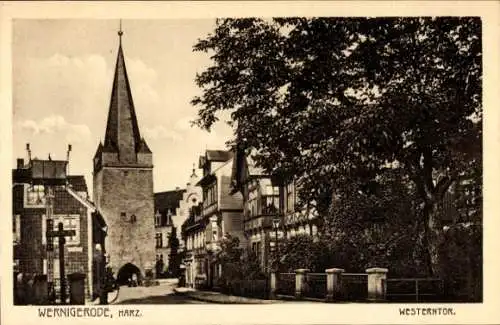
(295, 313)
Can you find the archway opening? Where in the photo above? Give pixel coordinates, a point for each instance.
(127, 273)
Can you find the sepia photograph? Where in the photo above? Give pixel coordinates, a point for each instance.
(265, 160)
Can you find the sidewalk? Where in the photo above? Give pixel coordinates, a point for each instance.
(220, 298)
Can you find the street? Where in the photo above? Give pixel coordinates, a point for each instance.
(161, 294)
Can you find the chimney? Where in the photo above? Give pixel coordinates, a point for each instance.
(177, 188)
(20, 163)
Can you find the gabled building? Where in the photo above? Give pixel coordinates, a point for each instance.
(221, 214)
(261, 206)
(43, 195)
(172, 210)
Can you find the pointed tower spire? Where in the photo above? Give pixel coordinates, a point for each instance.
(122, 130)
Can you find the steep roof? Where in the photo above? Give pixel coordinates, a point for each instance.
(122, 130)
(243, 168)
(168, 200)
(24, 175)
(77, 183)
(218, 155)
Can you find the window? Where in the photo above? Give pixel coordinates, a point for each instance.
(70, 222)
(44, 229)
(123, 215)
(157, 219)
(214, 193)
(290, 198)
(34, 196)
(210, 195)
(159, 240)
(133, 219)
(272, 190)
(252, 207)
(16, 228)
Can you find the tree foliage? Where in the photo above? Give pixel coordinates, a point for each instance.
(376, 227)
(237, 263)
(299, 252)
(336, 102)
(174, 258)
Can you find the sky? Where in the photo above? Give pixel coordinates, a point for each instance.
(62, 78)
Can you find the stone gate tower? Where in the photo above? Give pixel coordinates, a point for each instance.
(123, 183)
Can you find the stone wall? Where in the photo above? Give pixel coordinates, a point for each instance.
(121, 194)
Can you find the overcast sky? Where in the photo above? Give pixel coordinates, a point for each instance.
(62, 77)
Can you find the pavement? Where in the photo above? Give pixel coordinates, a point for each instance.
(220, 298)
(161, 294)
(168, 292)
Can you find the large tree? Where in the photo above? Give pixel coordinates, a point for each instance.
(335, 102)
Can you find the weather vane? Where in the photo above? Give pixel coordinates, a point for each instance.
(120, 32)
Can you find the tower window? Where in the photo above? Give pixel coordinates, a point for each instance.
(159, 240)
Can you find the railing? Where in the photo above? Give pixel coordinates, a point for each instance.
(209, 208)
(414, 289)
(249, 288)
(355, 286)
(286, 284)
(200, 281)
(56, 286)
(316, 285)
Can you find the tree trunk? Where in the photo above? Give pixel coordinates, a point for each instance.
(434, 236)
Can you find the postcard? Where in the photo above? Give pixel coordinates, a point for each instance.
(249, 162)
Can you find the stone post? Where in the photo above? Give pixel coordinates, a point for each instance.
(76, 288)
(41, 290)
(376, 283)
(333, 284)
(300, 282)
(273, 285)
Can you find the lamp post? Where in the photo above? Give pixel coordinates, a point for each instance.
(276, 225)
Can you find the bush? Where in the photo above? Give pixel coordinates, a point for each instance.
(463, 264)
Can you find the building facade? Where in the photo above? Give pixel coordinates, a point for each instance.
(219, 214)
(123, 184)
(270, 211)
(166, 206)
(39, 202)
(261, 207)
(172, 210)
(192, 196)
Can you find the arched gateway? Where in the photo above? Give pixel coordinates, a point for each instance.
(128, 272)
